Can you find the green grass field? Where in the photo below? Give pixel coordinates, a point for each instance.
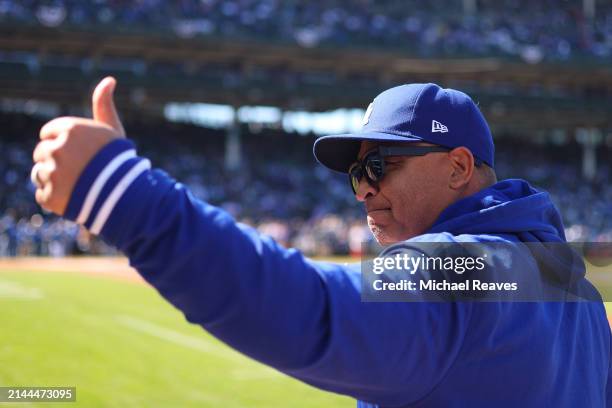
(122, 345)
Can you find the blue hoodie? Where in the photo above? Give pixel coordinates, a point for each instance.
(306, 318)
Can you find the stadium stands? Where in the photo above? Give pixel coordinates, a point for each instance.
(532, 31)
(533, 66)
(279, 188)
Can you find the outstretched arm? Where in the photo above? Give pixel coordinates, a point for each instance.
(302, 317)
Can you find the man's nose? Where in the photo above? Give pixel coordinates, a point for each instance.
(365, 190)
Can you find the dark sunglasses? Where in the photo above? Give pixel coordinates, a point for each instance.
(372, 166)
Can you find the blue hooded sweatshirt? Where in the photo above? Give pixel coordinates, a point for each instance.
(307, 320)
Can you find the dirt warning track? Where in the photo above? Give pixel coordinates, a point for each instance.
(112, 267)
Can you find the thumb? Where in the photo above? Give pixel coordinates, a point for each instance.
(104, 110)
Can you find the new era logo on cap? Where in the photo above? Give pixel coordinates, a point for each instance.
(438, 127)
(366, 117)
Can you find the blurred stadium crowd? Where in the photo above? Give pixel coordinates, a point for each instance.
(279, 188)
(534, 31)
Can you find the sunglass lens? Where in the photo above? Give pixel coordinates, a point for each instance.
(355, 175)
(374, 168)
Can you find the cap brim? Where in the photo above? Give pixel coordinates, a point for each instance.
(338, 152)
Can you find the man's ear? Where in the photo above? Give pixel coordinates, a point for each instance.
(462, 166)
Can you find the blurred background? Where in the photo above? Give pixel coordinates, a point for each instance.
(228, 97)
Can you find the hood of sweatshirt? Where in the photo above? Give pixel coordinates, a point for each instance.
(518, 212)
(508, 207)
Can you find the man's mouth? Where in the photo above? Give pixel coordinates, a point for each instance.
(376, 210)
(378, 216)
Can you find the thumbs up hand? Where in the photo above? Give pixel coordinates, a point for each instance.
(68, 144)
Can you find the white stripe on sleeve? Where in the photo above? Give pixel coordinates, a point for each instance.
(116, 194)
(96, 187)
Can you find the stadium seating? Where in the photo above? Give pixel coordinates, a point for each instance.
(532, 31)
(319, 216)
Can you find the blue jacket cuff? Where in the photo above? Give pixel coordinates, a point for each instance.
(103, 182)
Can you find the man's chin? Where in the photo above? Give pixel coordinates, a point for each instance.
(381, 236)
(385, 237)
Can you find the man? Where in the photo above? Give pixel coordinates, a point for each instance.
(422, 165)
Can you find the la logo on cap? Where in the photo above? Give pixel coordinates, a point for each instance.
(438, 127)
(366, 117)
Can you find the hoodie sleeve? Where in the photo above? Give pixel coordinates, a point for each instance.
(301, 317)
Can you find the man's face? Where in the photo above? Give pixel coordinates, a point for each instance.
(410, 196)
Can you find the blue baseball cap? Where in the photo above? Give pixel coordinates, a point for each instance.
(413, 113)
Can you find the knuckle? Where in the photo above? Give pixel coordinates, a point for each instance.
(59, 146)
(62, 139)
(51, 166)
(49, 127)
(44, 130)
(36, 153)
(41, 150)
(57, 152)
(53, 177)
(71, 128)
(40, 197)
